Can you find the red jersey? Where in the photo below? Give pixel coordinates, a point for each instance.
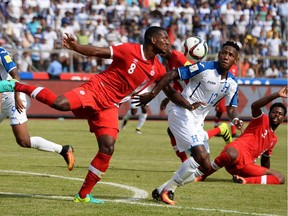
(234, 70)
(129, 73)
(257, 138)
(177, 60)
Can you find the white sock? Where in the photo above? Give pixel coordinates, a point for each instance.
(128, 115)
(45, 145)
(141, 120)
(192, 177)
(186, 169)
(161, 187)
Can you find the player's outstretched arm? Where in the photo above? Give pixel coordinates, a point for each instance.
(257, 105)
(69, 42)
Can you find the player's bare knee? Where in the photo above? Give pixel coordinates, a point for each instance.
(106, 144)
(233, 153)
(24, 142)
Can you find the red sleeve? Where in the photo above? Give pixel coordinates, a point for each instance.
(120, 50)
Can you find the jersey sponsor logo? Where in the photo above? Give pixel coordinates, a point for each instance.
(193, 68)
(211, 82)
(152, 73)
(81, 92)
(8, 58)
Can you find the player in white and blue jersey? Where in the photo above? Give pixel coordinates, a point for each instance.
(208, 83)
(14, 106)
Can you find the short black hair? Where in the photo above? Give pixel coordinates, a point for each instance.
(150, 32)
(279, 104)
(233, 44)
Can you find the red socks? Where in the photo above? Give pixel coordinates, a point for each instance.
(41, 94)
(213, 132)
(97, 168)
(265, 179)
(233, 129)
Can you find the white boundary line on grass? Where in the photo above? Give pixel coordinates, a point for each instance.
(138, 195)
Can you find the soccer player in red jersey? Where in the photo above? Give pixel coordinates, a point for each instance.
(134, 67)
(257, 140)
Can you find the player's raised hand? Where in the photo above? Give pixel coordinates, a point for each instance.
(283, 92)
(69, 42)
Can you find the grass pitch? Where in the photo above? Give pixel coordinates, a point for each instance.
(39, 183)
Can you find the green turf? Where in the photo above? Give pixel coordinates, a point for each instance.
(140, 161)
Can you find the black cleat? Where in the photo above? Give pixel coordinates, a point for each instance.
(157, 196)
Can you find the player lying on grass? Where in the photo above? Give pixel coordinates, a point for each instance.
(258, 139)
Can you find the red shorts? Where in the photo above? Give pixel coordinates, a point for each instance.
(101, 120)
(220, 107)
(244, 165)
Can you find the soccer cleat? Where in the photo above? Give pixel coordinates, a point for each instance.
(225, 133)
(138, 131)
(88, 199)
(7, 85)
(239, 180)
(68, 155)
(155, 195)
(166, 197)
(123, 124)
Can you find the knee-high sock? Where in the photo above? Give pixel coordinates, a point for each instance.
(45, 145)
(185, 170)
(213, 132)
(141, 120)
(97, 169)
(233, 129)
(265, 179)
(41, 94)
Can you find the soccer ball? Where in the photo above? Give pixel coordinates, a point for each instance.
(195, 48)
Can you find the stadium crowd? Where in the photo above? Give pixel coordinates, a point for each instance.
(32, 30)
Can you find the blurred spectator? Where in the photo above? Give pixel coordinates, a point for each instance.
(215, 39)
(274, 47)
(46, 49)
(112, 37)
(33, 25)
(244, 66)
(272, 72)
(252, 70)
(36, 48)
(55, 68)
(15, 9)
(25, 62)
(51, 36)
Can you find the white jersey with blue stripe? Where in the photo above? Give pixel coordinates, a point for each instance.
(6, 64)
(206, 85)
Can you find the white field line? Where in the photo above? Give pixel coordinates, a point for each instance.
(138, 195)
